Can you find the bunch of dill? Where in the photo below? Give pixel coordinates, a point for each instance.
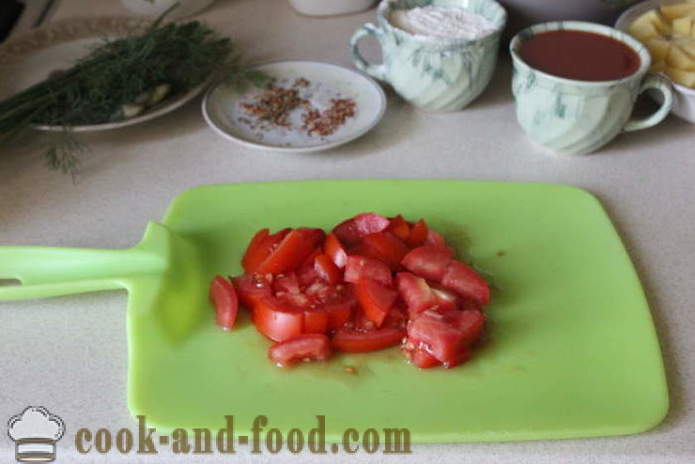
(117, 72)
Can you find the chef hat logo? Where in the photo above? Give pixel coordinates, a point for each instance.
(35, 432)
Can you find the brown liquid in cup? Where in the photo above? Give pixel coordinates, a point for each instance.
(579, 55)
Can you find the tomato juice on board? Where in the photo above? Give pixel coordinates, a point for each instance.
(579, 55)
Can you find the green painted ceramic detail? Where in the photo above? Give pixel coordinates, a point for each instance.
(572, 349)
(433, 74)
(575, 117)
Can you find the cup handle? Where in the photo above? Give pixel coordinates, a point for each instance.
(657, 82)
(377, 71)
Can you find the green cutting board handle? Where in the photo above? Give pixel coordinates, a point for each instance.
(47, 272)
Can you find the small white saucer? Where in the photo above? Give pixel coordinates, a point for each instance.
(223, 112)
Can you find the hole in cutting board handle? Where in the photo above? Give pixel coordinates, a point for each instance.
(10, 282)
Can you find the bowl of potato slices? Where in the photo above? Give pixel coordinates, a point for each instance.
(667, 29)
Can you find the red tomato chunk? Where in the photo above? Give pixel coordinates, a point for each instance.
(310, 347)
(224, 296)
(371, 284)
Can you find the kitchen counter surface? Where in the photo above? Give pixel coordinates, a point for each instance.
(69, 354)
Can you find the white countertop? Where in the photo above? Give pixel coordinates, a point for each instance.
(69, 354)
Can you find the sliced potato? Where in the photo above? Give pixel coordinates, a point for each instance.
(658, 48)
(669, 35)
(688, 46)
(678, 58)
(677, 10)
(683, 25)
(686, 78)
(645, 27)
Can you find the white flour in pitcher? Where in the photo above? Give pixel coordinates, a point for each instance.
(442, 23)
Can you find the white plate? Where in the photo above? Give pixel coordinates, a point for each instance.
(30, 58)
(222, 111)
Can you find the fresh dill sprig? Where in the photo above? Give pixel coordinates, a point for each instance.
(118, 79)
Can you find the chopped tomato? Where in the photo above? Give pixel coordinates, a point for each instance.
(309, 261)
(327, 270)
(419, 356)
(339, 313)
(376, 299)
(307, 274)
(384, 246)
(428, 262)
(261, 246)
(396, 317)
(277, 320)
(399, 227)
(315, 347)
(418, 234)
(361, 267)
(315, 321)
(466, 282)
(226, 302)
(292, 251)
(286, 283)
(415, 292)
(334, 249)
(251, 289)
(435, 239)
(446, 299)
(304, 286)
(353, 230)
(445, 334)
(354, 341)
(463, 356)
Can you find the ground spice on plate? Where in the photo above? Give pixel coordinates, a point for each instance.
(326, 122)
(274, 106)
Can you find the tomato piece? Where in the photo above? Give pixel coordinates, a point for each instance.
(327, 270)
(286, 283)
(355, 341)
(334, 249)
(386, 247)
(336, 301)
(251, 289)
(315, 347)
(395, 319)
(250, 256)
(224, 296)
(315, 321)
(362, 267)
(309, 261)
(292, 251)
(447, 300)
(339, 313)
(464, 355)
(376, 299)
(351, 231)
(399, 227)
(434, 239)
(261, 246)
(415, 292)
(277, 319)
(418, 356)
(445, 334)
(466, 282)
(307, 274)
(418, 234)
(428, 262)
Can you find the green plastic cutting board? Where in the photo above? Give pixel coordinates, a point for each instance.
(572, 350)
